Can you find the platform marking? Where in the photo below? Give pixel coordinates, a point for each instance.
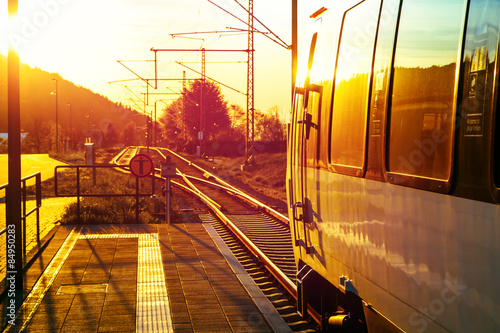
(153, 308)
(33, 300)
(152, 305)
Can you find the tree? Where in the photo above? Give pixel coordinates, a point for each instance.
(238, 122)
(39, 134)
(174, 132)
(268, 126)
(110, 133)
(129, 134)
(182, 118)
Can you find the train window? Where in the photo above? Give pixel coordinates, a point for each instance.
(350, 103)
(422, 114)
(311, 52)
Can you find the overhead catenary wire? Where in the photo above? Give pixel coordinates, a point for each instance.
(212, 79)
(279, 41)
(285, 45)
(212, 32)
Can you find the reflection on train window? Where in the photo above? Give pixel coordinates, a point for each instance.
(348, 130)
(311, 52)
(422, 110)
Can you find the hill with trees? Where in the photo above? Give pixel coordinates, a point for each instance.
(81, 113)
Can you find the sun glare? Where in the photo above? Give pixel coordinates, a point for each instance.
(81, 41)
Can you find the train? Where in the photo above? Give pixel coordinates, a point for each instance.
(393, 166)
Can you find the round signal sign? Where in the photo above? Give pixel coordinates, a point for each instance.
(141, 165)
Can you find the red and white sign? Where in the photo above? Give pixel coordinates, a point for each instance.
(141, 165)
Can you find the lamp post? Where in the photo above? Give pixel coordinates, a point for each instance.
(57, 121)
(14, 271)
(154, 128)
(88, 122)
(70, 129)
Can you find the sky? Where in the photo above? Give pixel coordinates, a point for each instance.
(83, 39)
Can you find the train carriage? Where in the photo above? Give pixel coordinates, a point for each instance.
(393, 172)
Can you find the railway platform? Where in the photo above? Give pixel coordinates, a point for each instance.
(142, 278)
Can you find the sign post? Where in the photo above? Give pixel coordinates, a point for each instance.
(90, 156)
(140, 166)
(168, 170)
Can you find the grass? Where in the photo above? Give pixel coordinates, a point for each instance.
(265, 179)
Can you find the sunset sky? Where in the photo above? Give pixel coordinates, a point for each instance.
(82, 39)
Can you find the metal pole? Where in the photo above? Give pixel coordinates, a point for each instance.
(77, 195)
(70, 129)
(148, 135)
(23, 218)
(184, 106)
(38, 204)
(167, 196)
(154, 128)
(137, 200)
(14, 269)
(250, 83)
(294, 44)
(57, 120)
(201, 99)
(156, 72)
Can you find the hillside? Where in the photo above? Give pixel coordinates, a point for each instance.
(90, 113)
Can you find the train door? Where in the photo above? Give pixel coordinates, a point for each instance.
(296, 161)
(304, 155)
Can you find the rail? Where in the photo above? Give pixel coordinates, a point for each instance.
(215, 208)
(38, 198)
(236, 191)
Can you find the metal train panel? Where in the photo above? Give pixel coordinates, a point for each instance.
(406, 223)
(437, 255)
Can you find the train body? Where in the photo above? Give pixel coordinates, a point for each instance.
(393, 173)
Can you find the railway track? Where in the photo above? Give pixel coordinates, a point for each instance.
(256, 234)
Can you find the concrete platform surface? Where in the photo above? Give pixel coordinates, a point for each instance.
(142, 278)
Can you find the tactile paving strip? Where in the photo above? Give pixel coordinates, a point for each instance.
(96, 236)
(152, 308)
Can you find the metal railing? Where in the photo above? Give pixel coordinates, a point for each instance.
(79, 194)
(24, 198)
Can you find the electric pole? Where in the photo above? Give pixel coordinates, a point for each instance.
(250, 77)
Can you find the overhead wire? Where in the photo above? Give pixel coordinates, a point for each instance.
(279, 41)
(206, 43)
(285, 45)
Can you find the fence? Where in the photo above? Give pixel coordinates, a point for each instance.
(81, 194)
(25, 213)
